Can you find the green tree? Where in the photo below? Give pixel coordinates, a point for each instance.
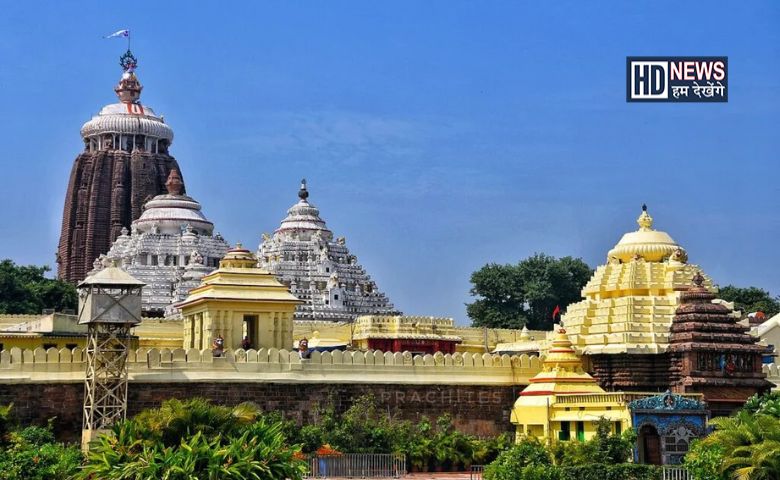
(750, 444)
(25, 289)
(751, 299)
(512, 296)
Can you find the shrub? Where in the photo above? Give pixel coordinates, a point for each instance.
(509, 465)
(194, 439)
(32, 454)
(600, 471)
(365, 428)
(605, 447)
(704, 461)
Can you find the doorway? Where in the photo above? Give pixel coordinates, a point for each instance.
(649, 445)
(249, 334)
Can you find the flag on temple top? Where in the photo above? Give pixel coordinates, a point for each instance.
(556, 312)
(120, 33)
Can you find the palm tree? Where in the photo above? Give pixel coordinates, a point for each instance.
(751, 445)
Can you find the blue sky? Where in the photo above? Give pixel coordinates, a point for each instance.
(436, 136)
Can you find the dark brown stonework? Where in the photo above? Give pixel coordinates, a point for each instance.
(106, 192)
(712, 354)
(479, 410)
(631, 372)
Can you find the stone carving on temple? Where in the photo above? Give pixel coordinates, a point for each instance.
(171, 247)
(124, 163)
(319, 269)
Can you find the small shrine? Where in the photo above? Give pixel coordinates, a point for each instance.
(712, 354)
(319, 269)
(665, 425)
(563, 401)
(238, 306)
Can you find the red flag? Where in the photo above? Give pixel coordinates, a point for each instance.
(556, 312)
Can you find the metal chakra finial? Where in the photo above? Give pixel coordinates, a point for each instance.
(303, 194)
(645, 221)
(128, 62)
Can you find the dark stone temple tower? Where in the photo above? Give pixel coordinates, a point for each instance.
(125, 162)
(712, 354)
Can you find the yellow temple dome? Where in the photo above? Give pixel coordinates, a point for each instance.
(238, 257)
(651, 245)
(562, 371)
(628, 304)
(563, 400)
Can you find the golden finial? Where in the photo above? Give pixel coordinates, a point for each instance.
(645, 221)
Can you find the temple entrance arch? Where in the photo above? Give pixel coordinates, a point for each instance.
(649, 445)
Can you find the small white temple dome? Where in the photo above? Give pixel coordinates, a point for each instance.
(167, 213)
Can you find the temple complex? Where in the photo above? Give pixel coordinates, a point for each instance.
(238, 306)
(622, 325)
(563, 401)
(712, 354)
(319, 270)
(125, 162)
(170, 247)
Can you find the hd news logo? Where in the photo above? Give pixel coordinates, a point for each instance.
(677, 79)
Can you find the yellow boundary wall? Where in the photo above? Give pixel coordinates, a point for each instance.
(282, 366)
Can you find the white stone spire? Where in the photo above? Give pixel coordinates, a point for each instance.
(319, 270)
(171, 247)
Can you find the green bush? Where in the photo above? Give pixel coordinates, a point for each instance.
(750, 445)
(766, 404)
(33, 454)
(194, 439)
(704, 461)
(364, 428)
(509, 464)
(605, 447)
(5, 421)
(600, 471)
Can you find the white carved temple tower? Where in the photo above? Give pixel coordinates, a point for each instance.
(170, 247)
(319, 270)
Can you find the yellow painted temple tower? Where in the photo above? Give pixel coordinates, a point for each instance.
(622, 325)
(245, 305)
(563, 401)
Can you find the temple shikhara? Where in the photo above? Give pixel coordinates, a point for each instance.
(622, 324)
(170, 247)
(319, 269)
(650, 321)
(125, 162)
(711, 354)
